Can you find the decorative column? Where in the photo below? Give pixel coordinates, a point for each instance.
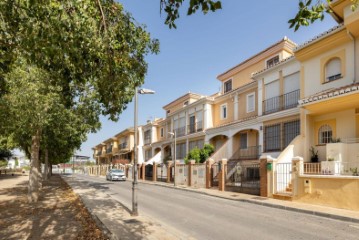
(209, 163)
(222, 175)
(190, 171)
(272, 178)
(297, 170)
(143, 171)
(154, 172)
(263, 176)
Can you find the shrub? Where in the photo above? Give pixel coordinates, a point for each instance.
(200, 155)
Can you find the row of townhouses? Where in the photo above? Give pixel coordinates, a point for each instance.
(280, 102)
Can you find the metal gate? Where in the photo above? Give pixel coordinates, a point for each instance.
(161, 173)
(149, 172)
(243, 177)
(283, 177)
(214, 174)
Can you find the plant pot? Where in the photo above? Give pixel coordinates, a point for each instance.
(314, 159)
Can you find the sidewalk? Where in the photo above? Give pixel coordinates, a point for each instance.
(115, 219)
(59, 214)
(323, 211)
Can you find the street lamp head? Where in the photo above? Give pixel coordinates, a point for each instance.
(145, 91)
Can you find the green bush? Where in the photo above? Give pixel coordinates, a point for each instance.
(200, 155)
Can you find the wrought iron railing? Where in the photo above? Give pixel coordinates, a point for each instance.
(196, 127)
(249, 153)
(123, 145)
(283, 102)
(180, 131)
(109, 149)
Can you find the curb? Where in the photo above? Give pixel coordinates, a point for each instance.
(271, 205)
(106, 231)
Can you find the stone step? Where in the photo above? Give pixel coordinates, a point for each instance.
(287, 196)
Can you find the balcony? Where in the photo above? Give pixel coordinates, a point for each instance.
(193, 128)
(249, 153)
(180, 131)
(283, 102)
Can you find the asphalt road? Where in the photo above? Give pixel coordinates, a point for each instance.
(206, 217)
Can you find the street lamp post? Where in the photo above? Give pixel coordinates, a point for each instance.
(174, 157)
(135, 177)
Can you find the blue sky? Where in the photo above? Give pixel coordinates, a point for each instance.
(202, 47)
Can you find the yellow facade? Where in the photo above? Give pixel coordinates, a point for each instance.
(330, 191)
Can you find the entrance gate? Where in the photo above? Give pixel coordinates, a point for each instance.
(149, 172)
(243, 177)
(214, 174)
(284, 177)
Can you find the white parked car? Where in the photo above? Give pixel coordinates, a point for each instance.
(115, 174)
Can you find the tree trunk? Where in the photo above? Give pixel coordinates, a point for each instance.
(34, 176)
(50, 173)
(46, 172)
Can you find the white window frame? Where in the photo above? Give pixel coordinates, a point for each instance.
(336, 76)
(254, 102)
(224, 84)
(325, 134)
(222, 112)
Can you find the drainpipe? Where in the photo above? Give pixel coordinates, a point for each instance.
(354, 45)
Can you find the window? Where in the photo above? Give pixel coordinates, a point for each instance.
(243, 140)
(181, 151)
(325, 134)
(223, 111)
(291, 130)
(147, 136)
(162, 132)
(185, 103)
(333, 70)
(272, 138)
(168, 111)
(227, 86)
(250, 102)
(195, 144)
(273, 61)
(192, 124)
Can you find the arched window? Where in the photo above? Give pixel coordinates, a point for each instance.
(325, 134)
(333, 70)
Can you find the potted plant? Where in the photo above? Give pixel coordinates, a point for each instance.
(314, 155)
(354, 171)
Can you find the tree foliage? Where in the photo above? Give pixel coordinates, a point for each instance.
(171, 7)
(62, 64)
(309, 12)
